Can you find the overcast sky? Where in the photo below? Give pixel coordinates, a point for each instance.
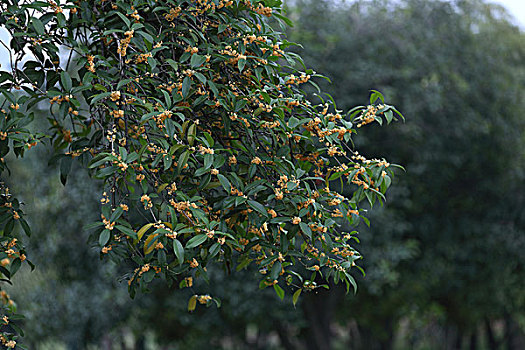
(516, 9)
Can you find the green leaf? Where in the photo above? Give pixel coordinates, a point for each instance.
(143, 230)
(293, 122)
(150, 242)
(296, 295)
(306, 229)
(15, 265)
(214, 250)
(209, 139)
(375, 95)
(192, 132)
(167, 160)
(279, 291)
(389, 115)
(25, 227)
(127, 231)
(258, 206)
(104, 237)
(152, 62)
(222, 27)
(99, 97)
(352, 282)
(201, 77)
(65, 168)
(241, 63)
(146, 36)
(186, 85)
(93, 225)
(284, 19)
(196, 241)
(183, 159)
(178, 250)
(116, 214)
(192, 303)
(387, 181)
(217, 302)
(173, 64)
(61, 19)
(197, 60)
(95, 163)
(39, 27)
(65, 80)
(276, 270)
(225, 183)
(213, 88)
(124, 18)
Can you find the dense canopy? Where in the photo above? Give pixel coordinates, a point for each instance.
(193, 115)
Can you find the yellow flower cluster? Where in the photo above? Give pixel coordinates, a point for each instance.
(236, 56)
(105, 199)
(146, 201)
(203, 299)
(263, 10)
(115, 95)
(292, 79)
(124, 43)
(55, 6)
(117, 113)
(174, 13)
(367, 116)
(90, 65)
(107, 224)
(205, 150)
(56, 99)
(143, 57)
(135, 15)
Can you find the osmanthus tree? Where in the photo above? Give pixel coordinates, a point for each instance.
(193, 115)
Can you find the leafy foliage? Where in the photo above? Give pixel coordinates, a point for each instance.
(193, 115)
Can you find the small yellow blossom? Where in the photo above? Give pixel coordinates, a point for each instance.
(194, 263)
(146, 201)
(203, 299)
(272, 213)
(115, 95)
(189, 281)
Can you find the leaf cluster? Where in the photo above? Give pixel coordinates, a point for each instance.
(193, 115)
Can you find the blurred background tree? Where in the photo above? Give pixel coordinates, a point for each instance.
(457, 70)
(444, 257)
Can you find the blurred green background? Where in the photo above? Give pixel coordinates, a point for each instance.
(444, 257)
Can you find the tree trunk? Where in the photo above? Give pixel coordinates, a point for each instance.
(319, 307)
(283, 336)
(473, 340)
(140, 343)
(514, 338)
(459, 341)
(491, 338)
